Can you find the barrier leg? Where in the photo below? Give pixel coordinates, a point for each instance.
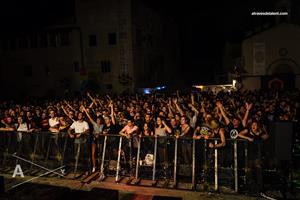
(59, 148)
(175, 164)
(76, 159)
(246, 164)
(6, 152)
(130, 157)
(98, 148)
(48, 148)
(3, 147)
(154, 163)
(20, 146)
(205, 167)
(216, 168)
(193, 165)
(235, 167)
(137, 165)
(102, 176)
(34, 151)
(118, 163)
(64, 150)
(165, 166)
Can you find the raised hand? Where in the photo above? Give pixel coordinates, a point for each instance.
(110, 103)
(219, 104)
(202, 103)
(175, 100)
(248, 105)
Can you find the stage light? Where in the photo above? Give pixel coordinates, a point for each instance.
(147, 91)
(234, 83)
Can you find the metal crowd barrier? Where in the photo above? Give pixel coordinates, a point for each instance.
(164, 160)
(38, 151)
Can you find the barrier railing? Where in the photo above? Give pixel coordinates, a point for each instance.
(166, 159)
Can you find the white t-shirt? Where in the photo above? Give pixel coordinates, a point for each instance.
(160, 132)
(80, 127)
(23, 127)
(53, 122)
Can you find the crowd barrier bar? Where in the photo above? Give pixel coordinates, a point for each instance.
(216, 167)
(118, 163)
(102, 176)
(38, 136)
(154, 162)
(175, 162)
(235, 158)
(193, 165)
(138, 159)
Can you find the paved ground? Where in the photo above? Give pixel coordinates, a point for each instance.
(60, 188)
(55, 188)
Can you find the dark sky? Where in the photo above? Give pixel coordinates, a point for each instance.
(33, 13)
(204, 26)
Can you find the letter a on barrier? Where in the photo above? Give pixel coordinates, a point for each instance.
(18, 171)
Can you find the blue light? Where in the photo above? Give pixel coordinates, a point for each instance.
(160, 88)
(147, 91)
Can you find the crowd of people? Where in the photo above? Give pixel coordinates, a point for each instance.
(198, 115)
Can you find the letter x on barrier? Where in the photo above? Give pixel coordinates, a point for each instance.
(49, 171)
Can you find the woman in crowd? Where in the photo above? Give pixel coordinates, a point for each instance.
(206, 112)
(256, 135)
(161, 131)
(97, 131)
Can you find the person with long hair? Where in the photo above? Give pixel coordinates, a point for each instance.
(161, 131)
(256, 134)
(130, 131)
(186, 145)
(97, 130)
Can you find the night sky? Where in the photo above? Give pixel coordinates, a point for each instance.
(204, 26)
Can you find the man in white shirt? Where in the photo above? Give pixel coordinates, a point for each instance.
(81, 129)
(53, 122)
(80, 126)
(53, 145)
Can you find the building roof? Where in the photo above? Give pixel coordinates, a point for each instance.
(269, 28)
